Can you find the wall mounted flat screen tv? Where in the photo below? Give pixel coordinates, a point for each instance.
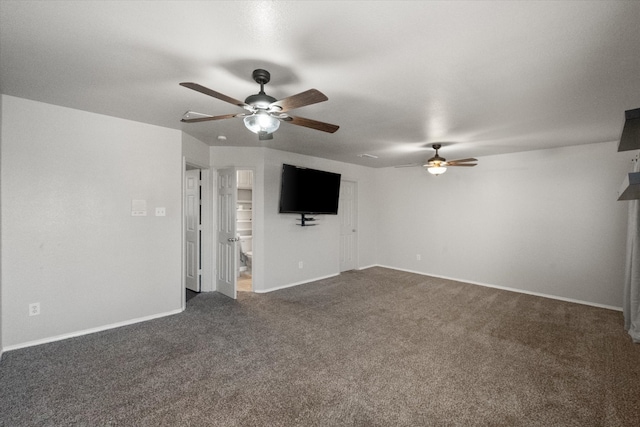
(309, 191)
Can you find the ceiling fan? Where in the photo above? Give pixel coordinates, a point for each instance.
(264, 112)
(437, 165)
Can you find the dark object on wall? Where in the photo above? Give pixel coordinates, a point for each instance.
(630, 138)
(309, 191)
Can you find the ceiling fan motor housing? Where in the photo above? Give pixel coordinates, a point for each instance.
(260, 100)
(436, 158)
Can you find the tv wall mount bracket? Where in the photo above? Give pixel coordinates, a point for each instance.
(304, 221)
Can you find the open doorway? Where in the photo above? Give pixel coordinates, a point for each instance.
(244, 227)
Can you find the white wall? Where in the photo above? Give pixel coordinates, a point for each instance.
(195, 151)
(279, 244)
(543, 222)
(317, 247)
(69, 240)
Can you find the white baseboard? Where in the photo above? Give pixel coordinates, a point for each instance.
(290, 285)
(505, 288)
(89, 331)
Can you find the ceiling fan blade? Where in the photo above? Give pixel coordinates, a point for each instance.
(311, 96)
(210, 118)
(313, 124)
(408, 165)
(471, 159)
(210, 92)
(447, 164)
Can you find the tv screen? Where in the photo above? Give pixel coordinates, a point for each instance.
(309, 191)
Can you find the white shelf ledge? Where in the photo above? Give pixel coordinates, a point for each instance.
(630, 189)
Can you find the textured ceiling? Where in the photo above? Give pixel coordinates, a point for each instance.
(479, 77)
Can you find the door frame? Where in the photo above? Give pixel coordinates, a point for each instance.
(206, 240)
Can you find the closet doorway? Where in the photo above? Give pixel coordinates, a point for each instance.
(244, 228)
(197, 231)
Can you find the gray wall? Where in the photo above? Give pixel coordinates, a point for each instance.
(542, 222)
(69, 240)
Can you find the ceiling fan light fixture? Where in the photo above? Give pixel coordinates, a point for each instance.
(436, 169)
(261, 121)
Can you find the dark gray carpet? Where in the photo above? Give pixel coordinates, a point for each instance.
(368, 348)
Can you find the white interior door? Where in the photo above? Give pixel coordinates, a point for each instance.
(227, 194)
(348, 227)
(192, 221)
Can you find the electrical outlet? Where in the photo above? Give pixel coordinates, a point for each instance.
(418, 257)
(300, 264)
(161, 212)
(34, 309)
